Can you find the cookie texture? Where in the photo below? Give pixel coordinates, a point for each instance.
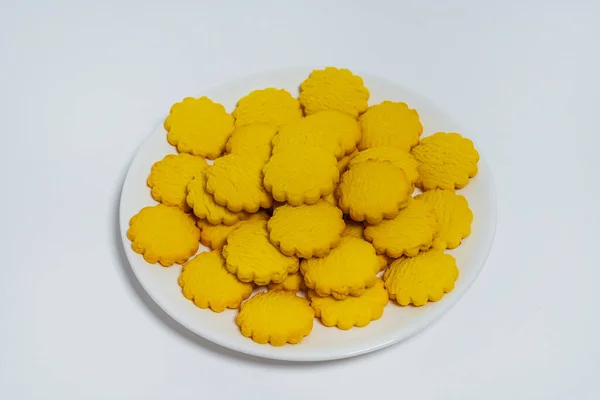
(215, 236)
(334, 89)
(353, 228)
(306, 230)
(345, 161)
(308, 135)
(199, 126)
(250, 255)
(410, 232)
(454, 217)
(352, 311)
(390, 124)
(164, 234)
(372, 191)
(169, 178)
(347, 270)
(301, 176)
(235, 182)
(267, 106)
(292, 283)
(204, 205)
(417, 280)
(399, 158)
(252, 141)
(205, 281)
(276, 317)
(445, 161)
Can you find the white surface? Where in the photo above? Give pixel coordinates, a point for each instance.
(398, 323)
(81, 88)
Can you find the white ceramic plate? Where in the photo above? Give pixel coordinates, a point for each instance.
(397, 323)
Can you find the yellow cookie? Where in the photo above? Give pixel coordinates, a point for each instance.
(204, 205)
(423, 278)
(344, 161)
(267, 106)
(301, 176)
(304, 134)
(293, 283)
(164, 234)
(408, 233)
(352, 311)
(276, 317)
(252, 141)
(399, 158)
(170, 176)
(334, 89)
(446, 161)
(306, 231)
(373, 190)
(251, 256)
(454, 217)
(390, 124)
(348, 269)
(235, 182)
(208, 284)
(215, 236)
(199, 126)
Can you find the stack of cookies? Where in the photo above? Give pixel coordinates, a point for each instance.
(310, 198)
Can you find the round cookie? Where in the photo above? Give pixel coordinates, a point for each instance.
(267, 106)
(204, 205)
(334, 89)
(250, 255)
(252, 141)
(399, 158)
(419, 279)
(306, 230)
(215, 236)
(390, 124)
(445, 161)
(454, 217)
(373, 190)
(347, 270)
(301, 176)
(164, 234)
(199, 126)
(303, 133)
(205, 281)
(169, 178)
(411, 231)
(235, 182)
(276, 317)
(292, 283)
(352, 311)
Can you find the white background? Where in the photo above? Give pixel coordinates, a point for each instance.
(81, 87)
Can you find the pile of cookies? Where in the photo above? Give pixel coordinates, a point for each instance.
(310, 198)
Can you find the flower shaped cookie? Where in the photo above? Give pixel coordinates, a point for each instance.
(276, 317)
(446, 161)
(423, 278)
(199, 126)
(267, 106)
(399, 158)
(373, 191)
(334, 89)
(215, 236)
(164, 234)
(252, 141)
(307, 230)
(251, 256)
(390, 124)
(206, 282)
(454, 217)
(301, 176)
(170, 176)
(347, 270)
(411, 231)
(352, 311)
